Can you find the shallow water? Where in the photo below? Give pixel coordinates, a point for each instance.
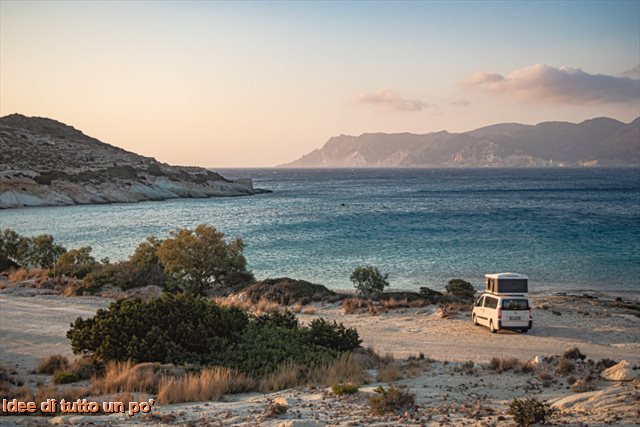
(567, 229)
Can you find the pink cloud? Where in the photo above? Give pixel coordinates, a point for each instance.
(390, 99)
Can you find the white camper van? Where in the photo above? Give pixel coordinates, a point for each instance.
(505, 304)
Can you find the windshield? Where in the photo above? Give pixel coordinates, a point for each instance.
(515, 304)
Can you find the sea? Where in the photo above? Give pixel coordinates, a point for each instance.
(567, 229)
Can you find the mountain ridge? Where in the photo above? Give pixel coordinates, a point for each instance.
(600, 141)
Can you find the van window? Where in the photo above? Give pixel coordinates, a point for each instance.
(480, 301)
(490, 302)
(515, 304)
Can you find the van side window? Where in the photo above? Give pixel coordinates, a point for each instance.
(480, 301)
(490, 302)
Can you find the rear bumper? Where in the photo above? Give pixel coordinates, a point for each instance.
(514, 325)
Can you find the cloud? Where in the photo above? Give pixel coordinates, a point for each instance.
(564, 85)
(634, 72)
(390, 99)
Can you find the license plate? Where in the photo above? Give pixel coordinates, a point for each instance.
(514, 317)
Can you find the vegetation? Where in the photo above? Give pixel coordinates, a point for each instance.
(344, 388)
(391, 400)
(529, 411)
(200, 259)
(38, 251)
(460, 288)
(52, 364)
(288, 291)
(206, 385)
(65, 377)
(368, 281)
(186, 329)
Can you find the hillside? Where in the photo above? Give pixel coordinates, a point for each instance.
(596, 142)
(47, 163)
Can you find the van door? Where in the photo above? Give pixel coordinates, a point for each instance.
(515, 312)
(480, 314)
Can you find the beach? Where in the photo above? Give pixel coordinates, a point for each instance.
(433, 356)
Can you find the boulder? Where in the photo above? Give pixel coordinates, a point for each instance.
(620, 372)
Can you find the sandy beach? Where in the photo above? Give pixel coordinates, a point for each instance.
(33, 324)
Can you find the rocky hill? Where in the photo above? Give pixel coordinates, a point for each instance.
(597, 142)
(47, 163)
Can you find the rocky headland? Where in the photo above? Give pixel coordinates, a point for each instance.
(47, 163)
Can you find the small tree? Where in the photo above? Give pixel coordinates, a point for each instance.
(147, 252)
(369, 281)
(78, 256)
(200, 259)
(43, 252)
(13, 248)
(460, 288)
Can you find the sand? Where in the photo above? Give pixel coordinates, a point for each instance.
(33, 324)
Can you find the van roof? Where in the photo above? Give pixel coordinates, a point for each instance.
(506, 276)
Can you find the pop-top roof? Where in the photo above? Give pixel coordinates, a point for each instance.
(506, 276)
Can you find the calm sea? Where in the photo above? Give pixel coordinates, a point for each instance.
(568, 229)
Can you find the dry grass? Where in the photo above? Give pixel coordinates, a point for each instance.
(22, 274)
(261, 307)
(465, 368)
(388, 373)
(52, 364)
(310, 310)
(565, 366)
(121, 377)
(343, 369)
(287, 375)
(206, 385)
(353, 305)
(297, 308)
(507, 364)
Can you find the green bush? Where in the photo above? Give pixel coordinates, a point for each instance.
(529, 411)
(460, 288)
(368, 281)
(347, 388)
(170, 329)
(183, 329)
(65, 377)
(288, 291)
(76, 257)
(392, 400)
(333, 335)
(77, 271)
(126, 275)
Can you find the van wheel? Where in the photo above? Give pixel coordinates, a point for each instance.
(475, 321)
(491, 328)
(524, 330)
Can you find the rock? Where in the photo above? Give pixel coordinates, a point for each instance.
(620, 372)
(581, 386)
(298, 423)
(617, 399)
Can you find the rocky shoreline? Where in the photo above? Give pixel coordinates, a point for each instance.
(47, 163)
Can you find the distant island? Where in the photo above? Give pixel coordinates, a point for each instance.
(597, 142)
(47, 163)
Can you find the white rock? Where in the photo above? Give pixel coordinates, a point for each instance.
(620, 372)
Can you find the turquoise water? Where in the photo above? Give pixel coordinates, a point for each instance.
(567, 229)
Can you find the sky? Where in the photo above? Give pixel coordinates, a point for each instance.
(256, 84)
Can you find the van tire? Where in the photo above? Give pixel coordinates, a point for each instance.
(475, 320)
(524, 330)
(491, 328)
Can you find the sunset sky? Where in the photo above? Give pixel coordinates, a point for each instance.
(258, 84)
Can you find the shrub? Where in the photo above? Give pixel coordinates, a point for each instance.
(465, 368)
(574, 354)
(77, 271)
(506, 364)
(343, 388)
(170, 329)
(52, 364)
(565, 366)
(333, 335)
(529, 411)
(368, 281)
(389, 373)
(392, 400)
(126, 275)
(200, 259)
(65, 377)
(460, 288)
(353, 305)
(76, 256)
(287, 291)
(186, 329)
